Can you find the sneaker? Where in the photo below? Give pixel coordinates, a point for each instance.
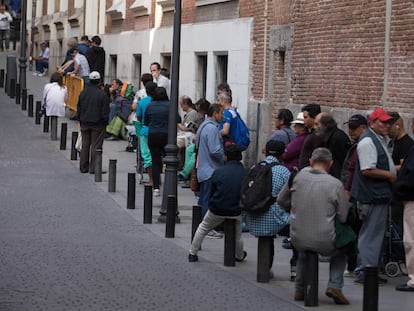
(35, 73)
(348, 274)
(192, 258)
(41, 74)
(404, 288)
(213, 234)
(337, 295)
(241, 259)
(299, 296)
(156, 192)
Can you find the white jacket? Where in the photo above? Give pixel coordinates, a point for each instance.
(54, 99)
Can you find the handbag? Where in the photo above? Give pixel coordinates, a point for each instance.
(78, 144)
(194, 184)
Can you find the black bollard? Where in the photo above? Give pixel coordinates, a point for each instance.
(147, 204)
(12, 88)
(311, 276)
(370, 302)
(45, 124)
(171, 213)
(230, 243)
(131, 191)
(263, 259)
(38, 112)
(1, 77)
(197, 218)
(112, 176)
(53, 127)
(24, 99)
(98, 165)
(73, 151)
(30, 110)
(63, 134)
(18, 94)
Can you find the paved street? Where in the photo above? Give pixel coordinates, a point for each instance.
(68, 244)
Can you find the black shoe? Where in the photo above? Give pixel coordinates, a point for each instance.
(241, 259)
(103, 172)
(192, 258)
(404, 288)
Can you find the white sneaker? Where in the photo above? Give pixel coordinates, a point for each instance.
(42, 74)
(213, 234)
(35, 73)
(156, 192)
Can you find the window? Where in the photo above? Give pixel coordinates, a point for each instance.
(221, 68)
(113, 62)
(166, 63)
(208, 2)
(201, 76)
(137, 69)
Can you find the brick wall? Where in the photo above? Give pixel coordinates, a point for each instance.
(401, 74)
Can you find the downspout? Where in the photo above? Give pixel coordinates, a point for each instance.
(387, 45)
(266, 14)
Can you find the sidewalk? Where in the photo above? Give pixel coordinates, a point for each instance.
(212, 249)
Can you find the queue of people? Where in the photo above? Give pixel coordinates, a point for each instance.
(322, 177)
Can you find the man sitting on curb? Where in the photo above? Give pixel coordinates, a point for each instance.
(223, 202)
(312, 226)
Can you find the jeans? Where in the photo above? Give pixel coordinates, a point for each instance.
(113, 109)
(371, 235)
(92, 139)
(5, 35)
(205, 190)
(336, 271)
(210, 221)
(41, 65)
(157, 143)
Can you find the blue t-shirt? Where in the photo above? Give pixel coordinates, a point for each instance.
(229, 117)
(142, 107)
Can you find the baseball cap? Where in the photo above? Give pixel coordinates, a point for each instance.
(395, 116)
(380, 114)
(94, 75)
(275, 147)
(356, 120)
(299, 119)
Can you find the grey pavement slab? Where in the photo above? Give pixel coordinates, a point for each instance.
(68, 244)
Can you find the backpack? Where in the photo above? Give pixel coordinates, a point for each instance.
(239, 132)
(256, 191)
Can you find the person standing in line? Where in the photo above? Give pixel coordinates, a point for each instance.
(291, 155)
(161, 80)
(313, 217)
(223, 202)
(312, 141)
(54, 96)
(5, 20)
(283, 131)
(92, 113)
(156, 117)
(374, 176)
(96, 56)
(210, 156)
(404, 191)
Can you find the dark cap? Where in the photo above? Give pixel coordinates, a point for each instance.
(275, 148)
(395, 116)
(73, 50)
(356, 120)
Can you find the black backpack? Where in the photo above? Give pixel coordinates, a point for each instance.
(256, 191)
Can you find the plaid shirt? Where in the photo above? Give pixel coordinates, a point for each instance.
(270, 223)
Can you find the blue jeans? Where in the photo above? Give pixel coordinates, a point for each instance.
(113, 109)
(41, 65)
(336, 271)
(205, 190)
(371, 235)
(5, 36)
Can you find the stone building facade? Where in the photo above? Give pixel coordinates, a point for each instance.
(346, 55)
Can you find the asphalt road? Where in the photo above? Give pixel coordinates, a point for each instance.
(65, 244)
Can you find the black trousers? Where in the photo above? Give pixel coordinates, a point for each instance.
(156, 144)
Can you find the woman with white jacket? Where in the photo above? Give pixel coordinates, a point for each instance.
(54, 100)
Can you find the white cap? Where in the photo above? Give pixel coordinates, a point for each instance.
(94, 75)
(299, 119)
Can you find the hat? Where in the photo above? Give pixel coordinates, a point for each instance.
(395, 116)
(94, 75)
(356, 120)
(275, 147)
(299, 119)
(380, 114)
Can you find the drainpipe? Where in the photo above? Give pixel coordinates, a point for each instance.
(387, 45)
(266, 11)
